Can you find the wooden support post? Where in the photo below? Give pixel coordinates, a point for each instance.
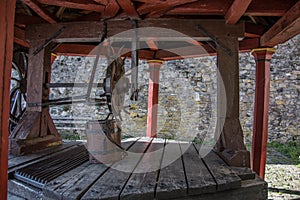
(154, 67)
(231, 142)
(261, 108)
(36, 129)
(7, 13)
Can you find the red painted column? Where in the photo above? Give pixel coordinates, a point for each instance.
(154, 67)
(7, 13)
(261, 108)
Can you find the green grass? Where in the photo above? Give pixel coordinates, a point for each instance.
(290, 149)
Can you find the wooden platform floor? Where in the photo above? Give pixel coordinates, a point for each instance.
(154, 170)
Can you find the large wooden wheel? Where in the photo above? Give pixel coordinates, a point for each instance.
(18, 87)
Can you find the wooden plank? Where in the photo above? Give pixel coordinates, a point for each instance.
(198, 177)
(236, 11)
(128, 7)
(82, 178)
(76, 4)
(91, 31)
(172, 181)
(7, 13)
(285, 28)
(141, 184)
(43, 13)
(222, 173)
(110, 185)
(254, 30)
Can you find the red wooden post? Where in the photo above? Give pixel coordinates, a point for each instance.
(7, 13)
(154, 67)
(261, 107)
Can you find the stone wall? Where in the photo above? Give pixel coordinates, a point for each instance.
(187, 95)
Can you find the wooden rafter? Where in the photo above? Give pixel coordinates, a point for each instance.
(111, 9)
(43, 13)
(158, 10)
(285, 28)
(236, 11)
(19, 37)
(103, 2)
(76, 4)
(129, 8)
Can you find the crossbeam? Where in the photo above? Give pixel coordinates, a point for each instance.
(91, 31)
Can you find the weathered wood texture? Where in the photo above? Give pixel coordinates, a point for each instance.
(153, 169)
(231, 137)
(7, 13)
(285, 28)
(91, 31)
(261, 109)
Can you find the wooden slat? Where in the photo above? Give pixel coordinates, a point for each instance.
(76, 4)
(110, 185)
(236, 11)
(198, 177)
(141, 184)
(43, 13)
(285, 28)
(7, 13)
(129, 8)
(171, 176)
(75, 186)
(222, 173)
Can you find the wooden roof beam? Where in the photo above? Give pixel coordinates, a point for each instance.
(236, 11)
(43, 13)
(76, 4)
(160, 9)
(23, 20)
(285, 28)
(129, 8)
(152, 45)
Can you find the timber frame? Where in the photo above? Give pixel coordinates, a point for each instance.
(242, 25)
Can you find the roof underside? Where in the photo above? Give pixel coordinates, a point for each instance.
(267, 22)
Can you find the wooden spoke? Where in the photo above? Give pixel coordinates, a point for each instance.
(45, 14)
(76, 4)
(236, 11)
(285, 28)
